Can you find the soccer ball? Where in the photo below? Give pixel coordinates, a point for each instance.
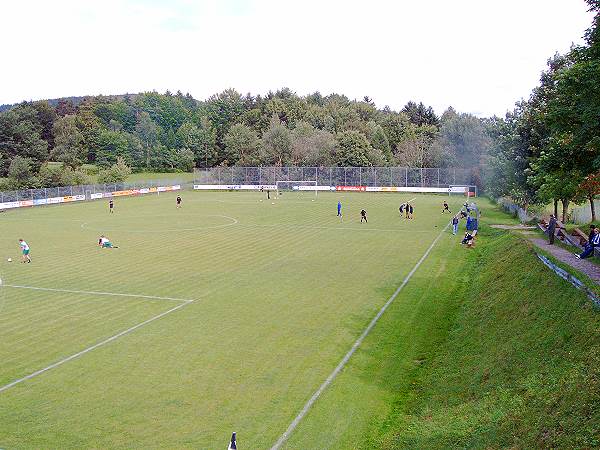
(9, 259)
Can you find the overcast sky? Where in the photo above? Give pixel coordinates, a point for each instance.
(479, 56)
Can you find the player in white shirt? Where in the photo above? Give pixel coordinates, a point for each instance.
(25, 251)
(104, 242)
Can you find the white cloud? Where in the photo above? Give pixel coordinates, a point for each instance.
(478, 56)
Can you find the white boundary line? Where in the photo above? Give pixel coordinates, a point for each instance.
(93, 347)
(284, 437)
(115, 294)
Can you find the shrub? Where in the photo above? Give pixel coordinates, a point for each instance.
(116, 173)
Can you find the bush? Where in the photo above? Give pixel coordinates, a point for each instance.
(53, 175)
(116, 173)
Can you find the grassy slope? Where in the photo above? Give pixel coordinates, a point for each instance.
(495, 352)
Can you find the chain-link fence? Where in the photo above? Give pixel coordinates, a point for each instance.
(86, 190)
(338, 176)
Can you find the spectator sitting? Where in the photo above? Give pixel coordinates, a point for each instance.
(593, 242)
(469, 239)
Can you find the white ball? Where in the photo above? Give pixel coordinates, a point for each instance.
(9, 259)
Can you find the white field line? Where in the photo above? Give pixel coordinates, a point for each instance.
(93, 347)
(112, 294)
(284, 437)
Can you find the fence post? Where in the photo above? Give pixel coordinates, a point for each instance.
(438, 184)
(345, 184)
(406, 177)
(360, 176)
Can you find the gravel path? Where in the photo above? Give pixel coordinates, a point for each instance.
(591, 270)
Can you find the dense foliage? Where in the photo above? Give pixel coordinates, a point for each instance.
(548, 148)
(175, 132)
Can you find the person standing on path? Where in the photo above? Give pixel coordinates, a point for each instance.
(551, 229)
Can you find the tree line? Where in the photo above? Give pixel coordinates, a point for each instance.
(175, 132)
(548, 149)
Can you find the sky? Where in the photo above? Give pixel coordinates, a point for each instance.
(478, 56)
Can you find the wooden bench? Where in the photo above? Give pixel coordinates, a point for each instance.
(583, 238)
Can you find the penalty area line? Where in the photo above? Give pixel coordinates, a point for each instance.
(284, 437)
(93, 347)
(110, 294)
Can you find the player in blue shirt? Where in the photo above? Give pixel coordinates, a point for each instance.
(339, 214)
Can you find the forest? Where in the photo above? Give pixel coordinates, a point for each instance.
(175, 132)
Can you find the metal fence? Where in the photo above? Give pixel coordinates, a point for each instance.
(87, 190)
(337, 176)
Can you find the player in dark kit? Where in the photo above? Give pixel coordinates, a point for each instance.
(446, 208)
(401, 209)
(363, 216)
(111, 206)
(178, 201)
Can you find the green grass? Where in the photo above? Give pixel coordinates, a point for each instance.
(281, 292)
(482, 348)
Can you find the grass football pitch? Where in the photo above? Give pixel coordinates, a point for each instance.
(224, 315)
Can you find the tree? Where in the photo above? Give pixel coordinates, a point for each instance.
(184, 160)
(590, 188)
(113, 146)
(200, 139)
(53, 175)
(91, 128)
(20, 173)
(242, 145)
(20, 136)
(65, 107)
(68, 142)
(276, 144)
(416, 149)
(117, 173)
(379, 140)
(353, 149)
(312, 147)
(463, 138)
(420, 114)
(46, 115)
(147, 131)
(224, 110)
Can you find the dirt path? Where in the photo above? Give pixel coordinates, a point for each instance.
(591, 270)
